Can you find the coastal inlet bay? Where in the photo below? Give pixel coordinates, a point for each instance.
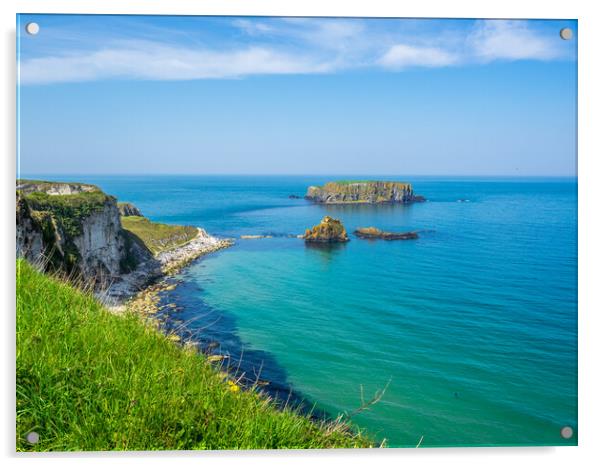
(472, 327)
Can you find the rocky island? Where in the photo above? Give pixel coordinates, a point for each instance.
(366, 192)
(329, 230)
(375, 233)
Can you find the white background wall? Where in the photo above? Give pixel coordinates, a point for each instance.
(590, 231)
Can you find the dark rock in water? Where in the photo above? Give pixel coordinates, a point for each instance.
(363, 192)
(127, 209)
(294, 196)
(329, 230)
(212, 345)
(375, 233)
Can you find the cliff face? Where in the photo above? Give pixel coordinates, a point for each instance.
(78, 232)
(30, 243)
(369, 192)
(100, 244)
(329, 230)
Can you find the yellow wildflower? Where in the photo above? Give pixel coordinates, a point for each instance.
(233, 387)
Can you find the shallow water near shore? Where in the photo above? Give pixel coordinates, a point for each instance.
(473, 326)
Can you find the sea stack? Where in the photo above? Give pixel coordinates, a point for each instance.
(329, 230)
(363, 192)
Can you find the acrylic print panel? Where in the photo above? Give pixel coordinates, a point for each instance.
(256, 233)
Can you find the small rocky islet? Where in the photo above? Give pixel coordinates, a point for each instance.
(329, 230)
(375, 233)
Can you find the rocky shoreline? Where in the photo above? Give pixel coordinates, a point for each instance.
(174, 259)
(137, 288)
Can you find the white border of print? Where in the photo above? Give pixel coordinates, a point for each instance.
(590, 191)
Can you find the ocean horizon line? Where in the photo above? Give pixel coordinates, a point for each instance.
(333, 175)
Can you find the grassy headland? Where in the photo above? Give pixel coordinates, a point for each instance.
(158, 237)
(91, 380)
(68, 210)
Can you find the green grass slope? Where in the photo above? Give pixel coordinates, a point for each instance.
(158, 237)
(91, 380)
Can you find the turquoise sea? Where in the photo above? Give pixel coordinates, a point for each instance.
(472, 328)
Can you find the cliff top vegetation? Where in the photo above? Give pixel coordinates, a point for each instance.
(158, 237)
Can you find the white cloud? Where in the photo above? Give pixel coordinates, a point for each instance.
(402, 56)
(325, 34)
(511, 40)
(155, 61)
(489, 40)
(289, 46)
(252, 27)
(329, 33)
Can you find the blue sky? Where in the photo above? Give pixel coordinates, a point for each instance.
(227, 95)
